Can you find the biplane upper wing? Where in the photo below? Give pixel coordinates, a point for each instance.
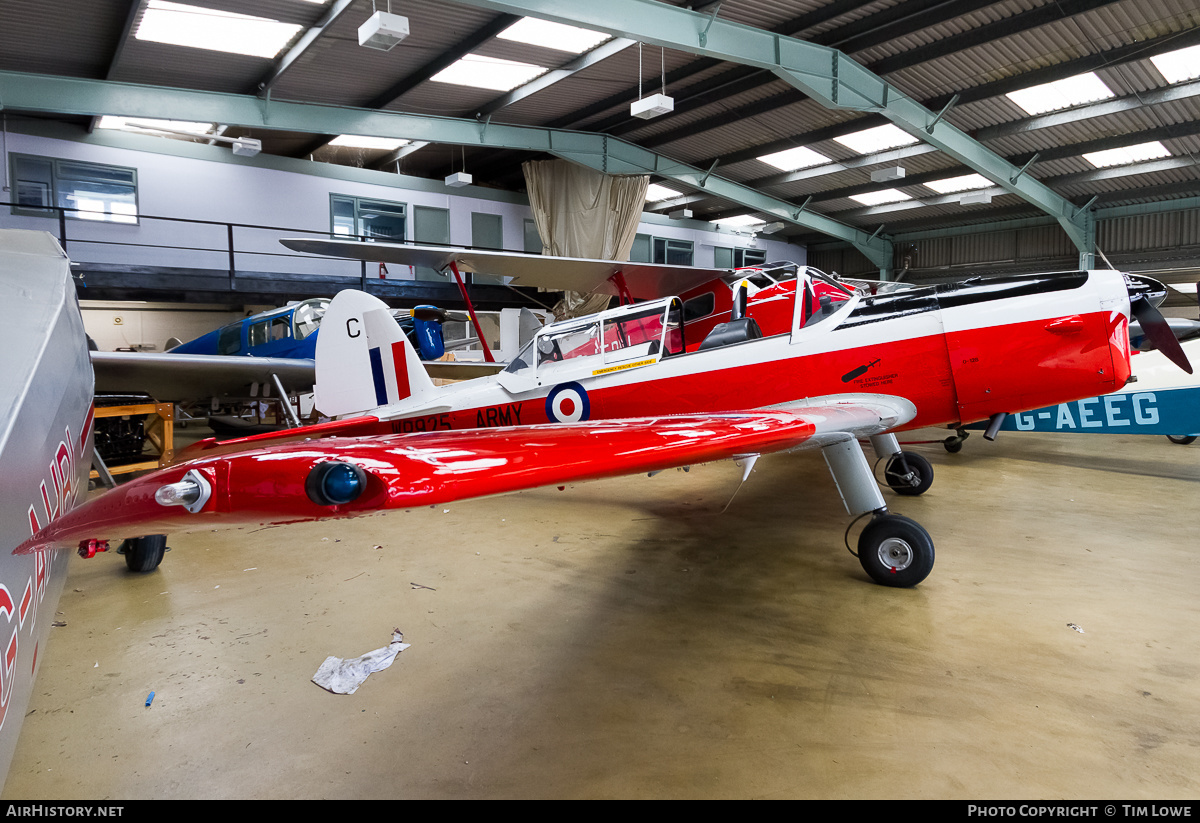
(645, 281)
(343, 477)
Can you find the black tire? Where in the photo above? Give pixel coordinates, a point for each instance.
(895, 551)
(1182, 439)
(953, 444)
(898, 480)
(143, 554)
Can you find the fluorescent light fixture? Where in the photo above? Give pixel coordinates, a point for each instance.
(652, 106)
(880, 138)
(800, 157)
(201, 28)
(1127, 154)
(975, 198)
(738, 221)
(680, 214)
(887, 175)
(488, 73)
(111, 121)
(876, 198)
(1179, 65)
(1061, 94)
(557, 36)
(967, 182)
(246, 146)
(361, 141)
(656, 192)
(382, 31)
(458, 179)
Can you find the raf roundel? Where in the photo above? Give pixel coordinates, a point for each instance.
(568, 403)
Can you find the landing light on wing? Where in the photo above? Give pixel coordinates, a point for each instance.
(335, 483)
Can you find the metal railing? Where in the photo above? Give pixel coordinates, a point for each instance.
(183, 243)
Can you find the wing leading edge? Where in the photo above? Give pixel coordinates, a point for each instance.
(645, 280)
(274, 485)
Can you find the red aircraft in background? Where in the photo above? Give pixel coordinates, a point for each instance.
(808, 362)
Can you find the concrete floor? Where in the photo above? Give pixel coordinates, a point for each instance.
(624, 639)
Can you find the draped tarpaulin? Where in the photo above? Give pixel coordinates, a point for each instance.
(584, 213)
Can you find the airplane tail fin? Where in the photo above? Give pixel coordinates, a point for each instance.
(364, 359)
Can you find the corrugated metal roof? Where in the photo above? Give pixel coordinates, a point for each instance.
(928, 50)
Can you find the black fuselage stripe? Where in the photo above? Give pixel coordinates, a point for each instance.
(965, 293)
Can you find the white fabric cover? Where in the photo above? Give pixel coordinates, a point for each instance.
(583, 213)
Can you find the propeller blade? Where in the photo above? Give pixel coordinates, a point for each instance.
(1155, 327)
(430, 313)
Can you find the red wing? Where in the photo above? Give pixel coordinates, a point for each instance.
(267, 485)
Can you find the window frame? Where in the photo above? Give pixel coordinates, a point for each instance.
(356, 203)
(740, 251)
(56, 189)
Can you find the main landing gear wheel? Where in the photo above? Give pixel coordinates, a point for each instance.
(895, 551)
(908, 473)
(1182, 439)
(144, 554)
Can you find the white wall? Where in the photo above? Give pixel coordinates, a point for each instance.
(126, 325)
(206, 183)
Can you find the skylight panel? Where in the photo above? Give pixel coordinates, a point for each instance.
(739, 221)
(965, 183)
(800, 157)
(488, 73)
(879, 138)
(199, 28)
(111, 121)
(656, 192)
(878, 198)
(1127, 154)
(558, 36)
(1179, 65)
(1061, 94)
(360, 141)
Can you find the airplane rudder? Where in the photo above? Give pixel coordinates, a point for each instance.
(397, 370)
(345, 376)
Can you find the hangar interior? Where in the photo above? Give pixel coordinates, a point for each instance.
(633, 637)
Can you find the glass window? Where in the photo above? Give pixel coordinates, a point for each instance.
(701, 306)
(632, 335)
(229, 339)
(86, 191)
(258, 334)
(726, 258)
(673, 252)
(307, 317)
(568, 342)
(369, 219)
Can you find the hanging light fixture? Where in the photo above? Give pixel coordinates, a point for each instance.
(383, 30)
(460, 178)
(655, 104)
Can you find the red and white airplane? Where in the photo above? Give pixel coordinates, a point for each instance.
(647, 386)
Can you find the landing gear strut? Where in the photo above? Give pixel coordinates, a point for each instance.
(893, 550)
(906, 473)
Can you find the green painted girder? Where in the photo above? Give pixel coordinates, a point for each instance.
(611, 155)
(823, 73)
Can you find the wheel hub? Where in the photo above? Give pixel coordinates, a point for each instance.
(896, 554)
